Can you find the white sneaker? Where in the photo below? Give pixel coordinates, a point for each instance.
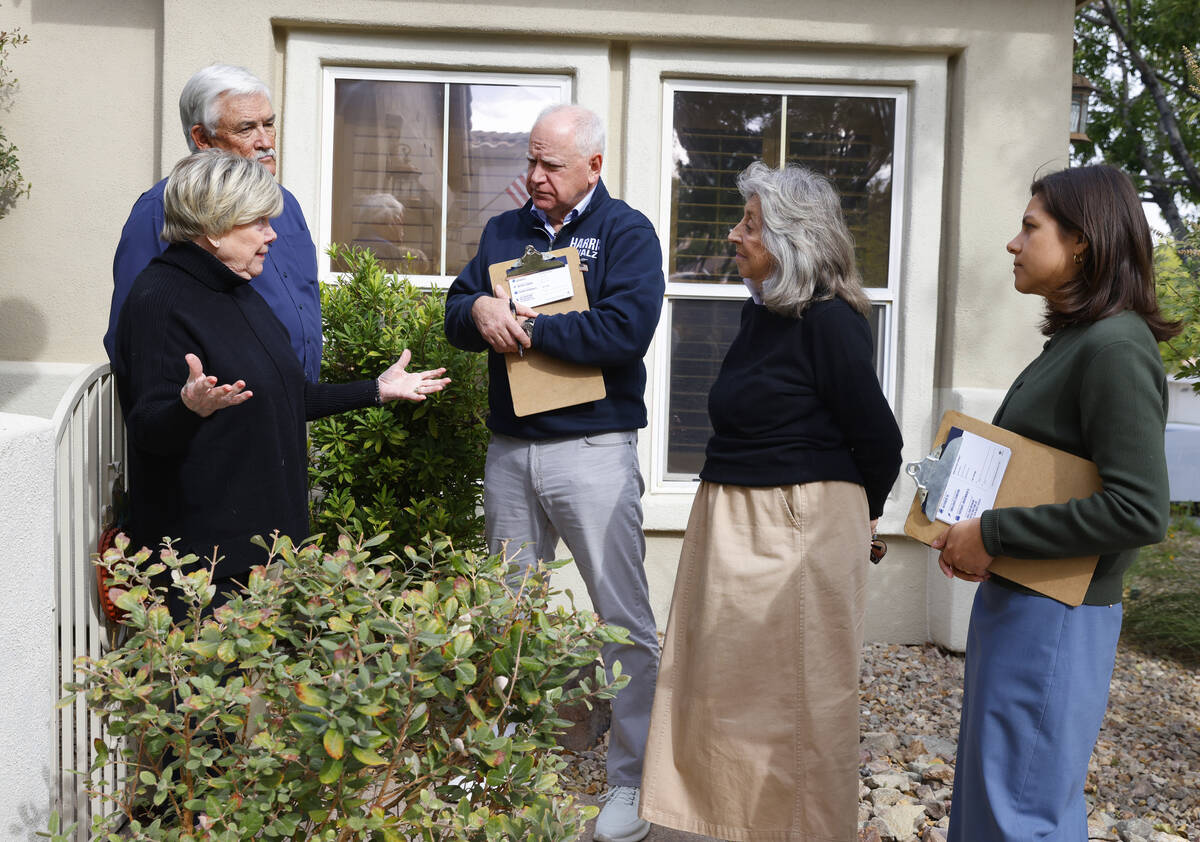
(619, 820)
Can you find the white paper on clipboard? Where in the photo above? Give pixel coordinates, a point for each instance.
(540, 288)
(975, 478)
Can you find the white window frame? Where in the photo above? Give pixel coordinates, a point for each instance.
(911, 295)
(679, 290)
(311, 57)
(331, 74)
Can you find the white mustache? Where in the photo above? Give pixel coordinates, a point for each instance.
(266, 153)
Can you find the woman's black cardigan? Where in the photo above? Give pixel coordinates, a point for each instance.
(242, 471)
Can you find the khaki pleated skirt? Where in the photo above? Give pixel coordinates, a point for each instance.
(754, 734)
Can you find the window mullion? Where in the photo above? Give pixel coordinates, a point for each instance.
(446, 170)
(783, 114)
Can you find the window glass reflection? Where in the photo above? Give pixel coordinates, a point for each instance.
(716, 136)
(387, 171)
(701, 330)
(489, 138)
(389, 142)
(850, 140)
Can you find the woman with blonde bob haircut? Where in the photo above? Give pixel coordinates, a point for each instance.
(754, 734)
(212, 193)
(214, 465)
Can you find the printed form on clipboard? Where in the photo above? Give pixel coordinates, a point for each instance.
(975, 466)
(974, 479)
(550, 283)
(543, 287)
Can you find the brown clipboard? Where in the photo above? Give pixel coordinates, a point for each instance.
(537, 381)
(1036, 474)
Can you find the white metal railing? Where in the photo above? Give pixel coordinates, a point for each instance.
(89, 463)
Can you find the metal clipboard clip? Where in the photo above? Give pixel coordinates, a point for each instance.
(533, 261)
(932, 473)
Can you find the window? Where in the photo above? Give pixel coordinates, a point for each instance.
(712, 131)
(421, 160)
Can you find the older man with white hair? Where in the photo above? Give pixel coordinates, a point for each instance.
(573, 473)
(227, 107)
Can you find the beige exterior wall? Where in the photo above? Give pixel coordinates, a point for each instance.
(85, 119)
(988, 83)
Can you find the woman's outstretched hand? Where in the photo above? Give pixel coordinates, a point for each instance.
(396, 383)
(203, 396)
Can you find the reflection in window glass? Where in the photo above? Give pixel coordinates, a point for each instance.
(850, 140)
(717, 134)
(877, 319)
(486, 168)
(409, 154)
(387, 171)
(701, 330)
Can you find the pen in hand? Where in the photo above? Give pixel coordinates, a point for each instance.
(512, 308)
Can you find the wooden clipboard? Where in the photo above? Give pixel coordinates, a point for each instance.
(537, 381)
(1036, 474)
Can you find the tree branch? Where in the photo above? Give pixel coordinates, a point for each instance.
(1182, 87)
(1166, 115)
(1159, 194)
(1162, 195)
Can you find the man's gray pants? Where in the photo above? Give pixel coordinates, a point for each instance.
(588, 490)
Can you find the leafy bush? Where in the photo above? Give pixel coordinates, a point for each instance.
(12, 182)
(335, 699)
(1162, 593)
(1177, 276)
(411, 469)
(1175, 271)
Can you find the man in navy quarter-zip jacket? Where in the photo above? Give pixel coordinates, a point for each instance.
(573, 472)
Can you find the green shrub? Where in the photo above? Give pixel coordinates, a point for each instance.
(12, 182)
(410, 469)
(1178, 287)
(1162, 593)
(336, 699)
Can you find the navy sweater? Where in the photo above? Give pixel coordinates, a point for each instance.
(797, 400)
(625, 287)
(242, 471)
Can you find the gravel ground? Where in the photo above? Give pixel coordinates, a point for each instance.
(1143, 782)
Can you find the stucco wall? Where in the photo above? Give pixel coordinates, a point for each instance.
(85, 119)
(27, 633)
(1010, 98)
(35, 388)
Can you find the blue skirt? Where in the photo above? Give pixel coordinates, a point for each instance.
(1037, 676)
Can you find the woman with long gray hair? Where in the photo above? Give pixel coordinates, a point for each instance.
(754, 734)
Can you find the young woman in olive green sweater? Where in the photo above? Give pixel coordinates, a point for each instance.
(1037, 671)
